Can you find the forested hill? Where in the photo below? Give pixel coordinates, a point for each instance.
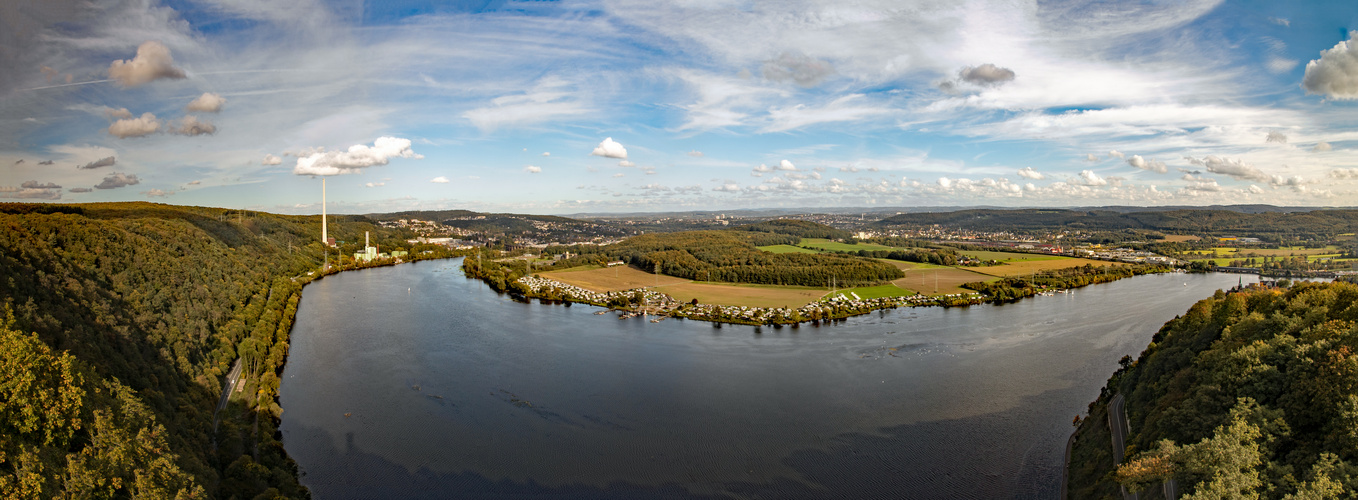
(121, 320)
(1216, 222)
(795, 227)
(1247, 395)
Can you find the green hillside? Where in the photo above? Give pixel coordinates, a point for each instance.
(120, 321)
(1247, 395)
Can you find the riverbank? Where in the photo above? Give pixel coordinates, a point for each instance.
(643, 300)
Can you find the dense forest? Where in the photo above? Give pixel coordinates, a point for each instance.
(119, 322)
(1272, 226)
(1250, 394)
(730, 256)
(796, 227)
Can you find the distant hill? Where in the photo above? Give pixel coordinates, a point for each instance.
(795, 227)
(1217, 222)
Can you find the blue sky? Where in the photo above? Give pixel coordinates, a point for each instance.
(507, 106)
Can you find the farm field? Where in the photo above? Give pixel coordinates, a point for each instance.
(1180, 238)
(1007, 256)
(742, 295)
(906, 266)
(872, 292)
(835, 246)
(1266, 252)
(949, 280)
(1027, 267)
(611, 279)
(785, 249)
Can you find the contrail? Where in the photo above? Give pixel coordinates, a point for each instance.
(65, 85)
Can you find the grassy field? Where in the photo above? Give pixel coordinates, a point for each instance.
(872, 292)
(1007, 256)
(785, 249)
(1024, 268)
(1266, 252)
(835, 246)
(611, 279)
(1179, 238)
(743, 295)
(906, 266)
(948, 280)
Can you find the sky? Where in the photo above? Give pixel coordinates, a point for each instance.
(634, 106)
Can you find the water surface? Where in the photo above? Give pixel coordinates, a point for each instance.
(415, 382)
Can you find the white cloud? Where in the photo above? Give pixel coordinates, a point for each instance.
(532, 169)
(546, 153)
(1344, 173)
(794, 65)
(842, 109)
(1335, 74)
(610, 149)
(786, 165)
(549, 100)
(356, 158)
(206, 103)
(191, 125)
(695, 153)
(729, 187)
(1321, 147)
(1276, 137)
(1092, 158)
(374, 184)
(118, 114)
(270, 159)
(626, 164)
(135, 127)
(945, 182)
(1144, 164)
(157, 193)
(619, 174)
(153, 62)
(1029, 173)
(1089, 178)
(30, 193)
(1280, 64)
(1116, 154)
(439, 180)
(1280, 21)
(1236, 168)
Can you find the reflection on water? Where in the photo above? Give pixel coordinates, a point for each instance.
(453, 390)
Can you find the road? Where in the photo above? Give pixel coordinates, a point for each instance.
(1117, 423)
(231, 378)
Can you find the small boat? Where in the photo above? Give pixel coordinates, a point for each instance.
(600, 313)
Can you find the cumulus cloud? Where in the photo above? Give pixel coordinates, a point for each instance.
(118, 114)
(945, 182)
(985, 74)
(80, 190)
(270, 159)
(1091, 158)
(439, 180)
(102, 162)
(157, 193)
(1029, 173)
(1344, 173)
(153, 62)
(1089, 178)
(1335, 74)
(805, 70)
(1236, 168)
(117, 180)
(786, 165)
(626, 164)
(763, 169)
(1320, 147)
(1116, 154)
(1276, 137)
(207, 103)
(695, 153)
(30, 193)
(532, 169)
(610, 149)
(135, 127)
(38, 185)
(1144, 164)
(729, 187)
(356, 158)
(191, 125)
(546, 153)
(374, 184)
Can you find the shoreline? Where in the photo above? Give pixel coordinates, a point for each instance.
(547, 290)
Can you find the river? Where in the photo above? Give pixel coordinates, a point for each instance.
(413, 381)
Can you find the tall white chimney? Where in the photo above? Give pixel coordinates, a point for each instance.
(365, 240)
(325, 238)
